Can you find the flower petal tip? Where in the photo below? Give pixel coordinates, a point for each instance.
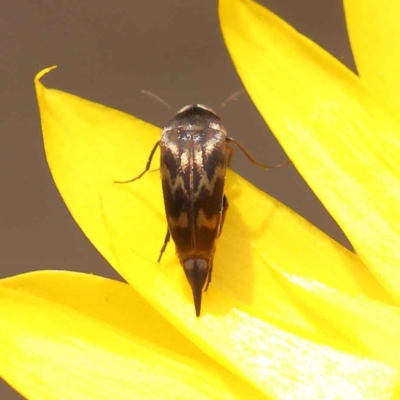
(43, 72)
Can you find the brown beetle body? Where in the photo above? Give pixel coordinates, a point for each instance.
(195, 154)
(193, 168)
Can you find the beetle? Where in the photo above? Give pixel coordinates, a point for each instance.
(194, 156)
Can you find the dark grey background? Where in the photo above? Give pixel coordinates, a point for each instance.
(107, 51)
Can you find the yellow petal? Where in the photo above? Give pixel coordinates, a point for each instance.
(342, 140)
(88, 146)
(66, 335)
(249, 320)
(374, 32)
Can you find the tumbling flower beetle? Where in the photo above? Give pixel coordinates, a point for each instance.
(195, 154)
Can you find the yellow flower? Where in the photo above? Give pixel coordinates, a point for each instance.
(290, 313)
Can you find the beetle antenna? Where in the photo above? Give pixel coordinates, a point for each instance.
(156, 98)
(232, 97)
